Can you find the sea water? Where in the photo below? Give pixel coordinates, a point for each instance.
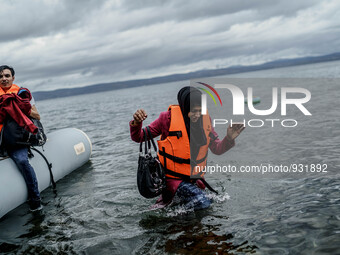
(97, 209)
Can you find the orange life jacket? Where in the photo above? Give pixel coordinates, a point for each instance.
(174, 151)
(13, 89)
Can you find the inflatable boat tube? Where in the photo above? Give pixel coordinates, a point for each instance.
(66, 149)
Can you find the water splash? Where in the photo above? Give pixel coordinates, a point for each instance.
(178, 210)
(219, 198)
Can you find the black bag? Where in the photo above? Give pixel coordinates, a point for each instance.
(14, 136)
(150, 174)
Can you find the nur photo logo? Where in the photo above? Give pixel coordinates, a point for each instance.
(204, 96)
(294, 96)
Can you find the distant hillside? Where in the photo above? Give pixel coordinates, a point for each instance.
(41, 95)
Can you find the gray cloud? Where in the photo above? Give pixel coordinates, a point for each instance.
(37, 18)
(54, 44)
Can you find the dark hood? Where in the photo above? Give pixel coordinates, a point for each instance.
(188, 97)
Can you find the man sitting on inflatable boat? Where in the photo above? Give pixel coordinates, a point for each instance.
(19, 154)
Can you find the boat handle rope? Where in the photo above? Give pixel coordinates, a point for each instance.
(49, 165)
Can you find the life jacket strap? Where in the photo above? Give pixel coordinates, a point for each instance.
(190, 179)
(208, 186)
(196, 162)
(175, 133)
(182, 160)
(174, 158)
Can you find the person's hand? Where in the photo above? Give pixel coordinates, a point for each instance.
(34, 113)
(139, 116)
(235, 130)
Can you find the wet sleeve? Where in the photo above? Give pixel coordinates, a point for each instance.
(137, 133)
(217, 146)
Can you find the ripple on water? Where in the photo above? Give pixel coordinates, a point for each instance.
(98, 210)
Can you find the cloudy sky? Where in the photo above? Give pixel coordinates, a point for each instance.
(70, 43)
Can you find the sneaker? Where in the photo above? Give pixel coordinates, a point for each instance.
(35, 206)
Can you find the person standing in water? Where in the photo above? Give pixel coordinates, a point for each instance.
(186, 136)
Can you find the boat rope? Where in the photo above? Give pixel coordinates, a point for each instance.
(49, 165)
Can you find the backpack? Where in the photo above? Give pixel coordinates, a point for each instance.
(13, 136)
